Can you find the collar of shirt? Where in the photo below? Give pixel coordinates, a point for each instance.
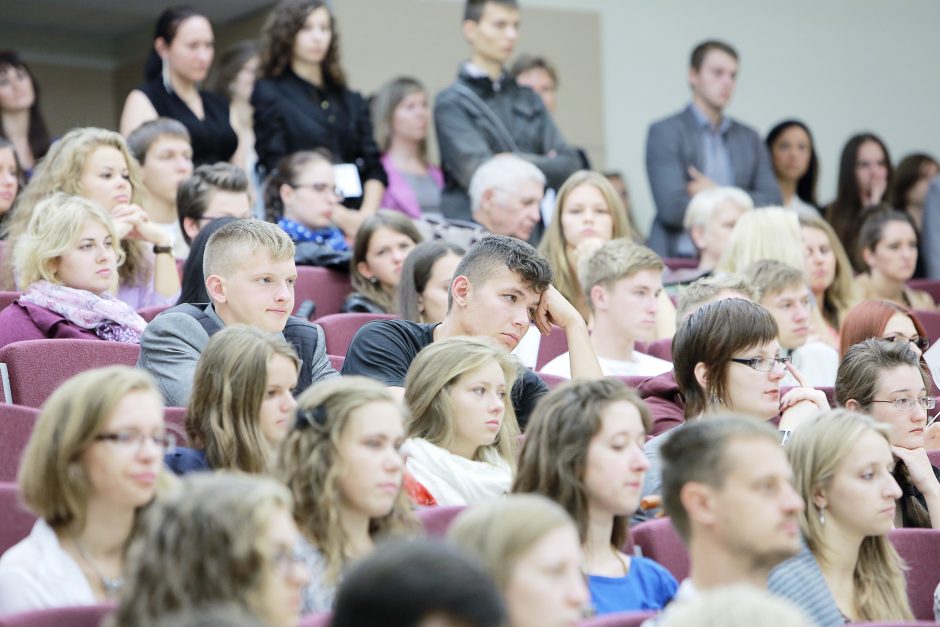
(706, 124)
(473, 70)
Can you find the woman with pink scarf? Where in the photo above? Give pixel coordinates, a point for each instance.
(67, 263)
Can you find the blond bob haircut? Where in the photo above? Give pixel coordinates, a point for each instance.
(615, 260)
(703, 205)
(51, 478)
(54, 229)
(816, 451)
(205, 543)
(228, 387)
(555, 454)
(554, 246)
(501, 532)
(310, 464)
(432, 375)
(61, 171)
(771, 233)
(230, 246)
(842, 295)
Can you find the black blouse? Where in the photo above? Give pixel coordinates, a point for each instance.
(292, 114)
(213, 137)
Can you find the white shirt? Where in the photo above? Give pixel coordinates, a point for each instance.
(455, 480)
(37, 574)
(818, 361)
(527, 350)
(643, 365)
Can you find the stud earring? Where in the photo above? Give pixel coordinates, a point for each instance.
(822, 516)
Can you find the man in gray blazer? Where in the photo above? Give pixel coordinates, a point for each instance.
(699, 148)
(250, 280)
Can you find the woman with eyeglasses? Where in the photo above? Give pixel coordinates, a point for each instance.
(94, 460)
(884, 320)
(887, 381)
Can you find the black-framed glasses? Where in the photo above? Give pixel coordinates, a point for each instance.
(763, 364)
(132, 440)
(321, 188)
(922, 343)
(907, 404)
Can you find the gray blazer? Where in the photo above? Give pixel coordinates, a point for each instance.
(930, 232)
(172, 343)
(675, 143)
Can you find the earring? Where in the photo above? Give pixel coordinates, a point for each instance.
(374, 281)
(714, 400)
(822, 516)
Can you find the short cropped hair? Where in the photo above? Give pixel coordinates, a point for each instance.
(703, 205)
(527, 62)
(145, 135)
(770, 277)
(698, 452)
(502, 173)
(229, 245)
(707, 289)
(615, 260)
(501, 251)
(863, 365)
(194, 194)
(473, 10)
(699, 52)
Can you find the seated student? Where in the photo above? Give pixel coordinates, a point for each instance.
(785, 294)
(582, 434)
(727, 488)
(661, 393)
(250, 274)
(214, 191)
(887, 244)
(241, 402)
(95, 164)
(727, 359)
(884, 320)
(505, 195)
(830, 276)
(519, 540)
(342, 464)
(425, 281)
(461, 434)
(382, 243)
(219, 538)
(66, 263)
(771, 233)
(499, 287)
(848, 571)
(301, 197)
(886, 381)
(709, 221)
(418, 584)
(162, 148)
(94, 459)
(623, 283)
(11, 176)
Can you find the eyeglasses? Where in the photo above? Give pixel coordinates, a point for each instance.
(907, 404)
(285, 560)
(134, 441)
(922, 343)
(763, 364)
(321, 188)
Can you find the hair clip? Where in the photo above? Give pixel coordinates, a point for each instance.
(308, 417)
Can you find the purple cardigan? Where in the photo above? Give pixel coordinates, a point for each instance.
(25, 321)
(399, 195)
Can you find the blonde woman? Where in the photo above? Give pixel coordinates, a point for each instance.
(519, 539)
(848, 571)
(588, 212)
(343, 467)
(461, 427)
(241, 404)
(95, 458)
(829, 273)
(219, 538)
(770, 233)
(65, 263)
(96, 164)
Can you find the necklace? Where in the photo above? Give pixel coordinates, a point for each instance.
(112, 585)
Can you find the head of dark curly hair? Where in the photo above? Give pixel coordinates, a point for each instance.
(279, 32)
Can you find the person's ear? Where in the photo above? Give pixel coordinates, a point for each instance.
(420, 304)
(161, 47)
(469, 30)
(693, 77)
(460, 290)
(191, 228)
(868, 256)
(820, 500)
(697, 233)
(216, 288)
(286, 192)
(698, 501)
(363, 268)
(852, 405)
(701, 374)
(599, 297)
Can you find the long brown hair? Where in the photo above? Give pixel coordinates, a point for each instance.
(277, 40)
(384, 218)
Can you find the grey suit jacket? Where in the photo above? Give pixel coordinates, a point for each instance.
(172, 343)
(675, 143)
(930, 232)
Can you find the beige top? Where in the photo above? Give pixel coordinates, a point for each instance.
(911, 298)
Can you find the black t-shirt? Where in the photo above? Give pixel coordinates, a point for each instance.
(384, 349)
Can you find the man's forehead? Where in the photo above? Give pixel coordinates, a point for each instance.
(752, 459)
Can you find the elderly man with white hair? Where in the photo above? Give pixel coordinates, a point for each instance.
(505, 193)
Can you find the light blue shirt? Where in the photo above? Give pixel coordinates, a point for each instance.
(717, 164)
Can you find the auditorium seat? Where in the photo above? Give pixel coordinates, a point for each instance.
(339, 329)
(920, 548)
(16, 425)
(618, 619)
(551, 346)
(551, 380)
(86, 616)
(175, 419)
(315, 620)
(149, 313)
(6, 298)
(680, 263)
(337, 361)
(15, 520)
(931, 322)
(328, 289)
(931, 286)
(659, 541)
(934, 456)
(657, 348)
(436, 520)
(33, 369)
